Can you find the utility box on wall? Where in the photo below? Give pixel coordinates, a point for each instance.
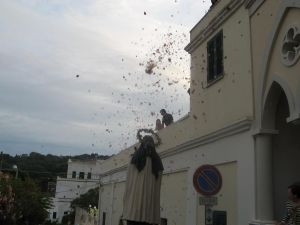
(219, 218)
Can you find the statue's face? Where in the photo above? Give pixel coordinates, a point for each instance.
(148, 143)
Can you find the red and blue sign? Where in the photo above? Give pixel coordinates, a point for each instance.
(207, 180)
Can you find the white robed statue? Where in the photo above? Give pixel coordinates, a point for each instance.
(142, 191)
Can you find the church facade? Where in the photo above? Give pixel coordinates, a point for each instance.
(244, 121)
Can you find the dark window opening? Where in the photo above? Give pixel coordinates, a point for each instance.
(89, 175)
(54, 215)
(81, 175)
(164, 221)
(215, 57)
(74, 174)
(103, 218)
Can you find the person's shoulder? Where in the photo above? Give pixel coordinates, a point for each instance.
(289, 204)
(170, 116)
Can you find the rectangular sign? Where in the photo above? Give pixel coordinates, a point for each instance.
(208, 200)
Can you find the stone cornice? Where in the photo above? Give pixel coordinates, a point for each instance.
(76, 180)
(253, 5)
(249, 3)
(214, 24)
(113, 171)
(235, 128)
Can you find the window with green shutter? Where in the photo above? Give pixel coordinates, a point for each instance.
(215, 58)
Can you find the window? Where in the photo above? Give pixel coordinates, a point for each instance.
(54, 215)
(215, 57)
(103, 218)
(66, 212)
(74, 174)
(81, 175)
(89, 175)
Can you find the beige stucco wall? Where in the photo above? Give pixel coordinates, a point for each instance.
(117, 206)
(212, 13)
(227, 197)
(106, 203)
(261, 26)
(268, 27)
(173, 197)
(229, 99)
(289, 74)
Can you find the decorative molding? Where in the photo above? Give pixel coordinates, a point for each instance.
(294, 118)
(263, 222)
(253, 5)
(113, 171)
(286, 89)
(77, 180)
(285, 5)
(235, 128)
(265, 132)
(290, 52)
(249, 3)
(214, 24)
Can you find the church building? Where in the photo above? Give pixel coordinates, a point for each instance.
(231, 159)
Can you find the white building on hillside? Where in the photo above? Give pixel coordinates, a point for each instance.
(82, 175)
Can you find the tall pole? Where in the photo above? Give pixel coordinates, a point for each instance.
(1, 161)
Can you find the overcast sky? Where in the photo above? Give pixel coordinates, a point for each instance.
(72, 72)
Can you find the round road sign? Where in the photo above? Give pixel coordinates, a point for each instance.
(207, 180)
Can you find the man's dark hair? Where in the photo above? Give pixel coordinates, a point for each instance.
(295, 189)
(163, 111)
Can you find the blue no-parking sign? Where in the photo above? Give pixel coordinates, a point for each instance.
(207, 180)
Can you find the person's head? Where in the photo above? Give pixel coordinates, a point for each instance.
(294, 192)
(163, 112)
(148, 143)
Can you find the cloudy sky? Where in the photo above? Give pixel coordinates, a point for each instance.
(73, 72)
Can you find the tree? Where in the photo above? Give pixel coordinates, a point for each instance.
(7, 202)
(84, 201)
(27, 204)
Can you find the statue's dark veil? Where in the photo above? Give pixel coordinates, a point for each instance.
(147, 149)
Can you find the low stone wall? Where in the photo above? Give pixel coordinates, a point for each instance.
(83, 217)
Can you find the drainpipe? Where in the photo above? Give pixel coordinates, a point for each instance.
(99, 201)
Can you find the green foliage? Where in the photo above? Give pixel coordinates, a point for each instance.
(27, 204)
(68, 219)
(41, 168)
(85, 200)
(49, 222)
(28, 201)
